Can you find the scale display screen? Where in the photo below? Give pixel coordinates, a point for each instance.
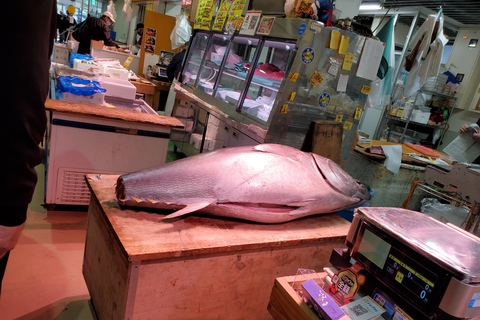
(401, 269)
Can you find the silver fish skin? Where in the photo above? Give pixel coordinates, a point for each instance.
(267, 183)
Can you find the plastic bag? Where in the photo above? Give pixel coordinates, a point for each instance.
(78, 86)
(181, 32)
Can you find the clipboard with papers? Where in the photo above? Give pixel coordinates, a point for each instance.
(463, 148)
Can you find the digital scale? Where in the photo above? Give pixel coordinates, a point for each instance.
(431, 270)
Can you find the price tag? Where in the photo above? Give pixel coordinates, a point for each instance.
(284, 108)
(291, 96)
(293, 76)
(358, 113)
(334, 39)
(316, 78)
(127, 62)
(339, 118)
(333, 70)
(366, 89)
(347, 62)
(342, 49)
(347, 125)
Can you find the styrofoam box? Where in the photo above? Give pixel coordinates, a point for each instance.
(118, 88)
(61, 54)
(196, 140)
(97, 99)
(183, 112)
(420, 116)
(87, 66)
(117, 73)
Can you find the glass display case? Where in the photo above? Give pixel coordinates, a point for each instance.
(263, 89)
(195, 57)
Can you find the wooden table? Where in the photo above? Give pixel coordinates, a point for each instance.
(138, 267)
(148, 89)
(162, 89)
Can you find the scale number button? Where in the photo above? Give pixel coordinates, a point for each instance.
(399, 277)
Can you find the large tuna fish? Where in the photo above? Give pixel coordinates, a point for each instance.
(267, 183)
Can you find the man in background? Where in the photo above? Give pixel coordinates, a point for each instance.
(94, 29)
(23, 120)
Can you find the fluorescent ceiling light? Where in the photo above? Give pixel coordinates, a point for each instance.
(370, 6)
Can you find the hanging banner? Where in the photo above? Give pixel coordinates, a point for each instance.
(222, 15)
(204, 15)
(235, 16)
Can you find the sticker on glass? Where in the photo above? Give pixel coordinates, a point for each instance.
(302, 29)
(339, 118)
(324, 100)
(284, 108)
(366, 89)
(291, 96)
(308, 55)
(358, 113)
(316, 78)
(347, 125)
(293, 76)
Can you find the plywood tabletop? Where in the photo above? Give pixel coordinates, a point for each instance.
(111, 113)
(145, 236)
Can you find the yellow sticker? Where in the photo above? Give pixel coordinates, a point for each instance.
(347, 125)
(478, 90)
(291, 96)
(284, 108)
(339, 118)
(316, 78)
(343, 137)
(342, 49)
(127, 62)
(293, 76)
(347, 62)
(334, 39)
(358, 113)
(366, 89)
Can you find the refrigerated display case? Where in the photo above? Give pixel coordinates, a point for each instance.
(245, 90)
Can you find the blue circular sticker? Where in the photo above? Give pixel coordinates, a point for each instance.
(308, 55)
(324, 100)
(302, 29)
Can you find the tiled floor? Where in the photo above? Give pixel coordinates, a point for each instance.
(43, 279)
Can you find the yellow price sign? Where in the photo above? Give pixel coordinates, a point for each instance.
(316, 78)
(358, 113)
(347, 125)
(293, 76)
(284, 108)
(366, 89)
(339, 118)
(291, 96)
(348, 61)
(127, 62)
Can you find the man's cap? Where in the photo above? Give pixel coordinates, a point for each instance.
(139, 26)
(109, 15)
(71, 9)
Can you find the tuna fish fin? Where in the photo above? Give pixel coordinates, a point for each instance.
(188, 209)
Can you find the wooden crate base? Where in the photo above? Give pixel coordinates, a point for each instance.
(139, 267)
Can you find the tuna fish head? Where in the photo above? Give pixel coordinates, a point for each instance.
(266, 183)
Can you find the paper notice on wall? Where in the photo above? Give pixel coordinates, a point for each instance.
(370, 59)
(342, 83)
(463, 148)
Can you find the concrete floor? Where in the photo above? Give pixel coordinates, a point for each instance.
(43, 279)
